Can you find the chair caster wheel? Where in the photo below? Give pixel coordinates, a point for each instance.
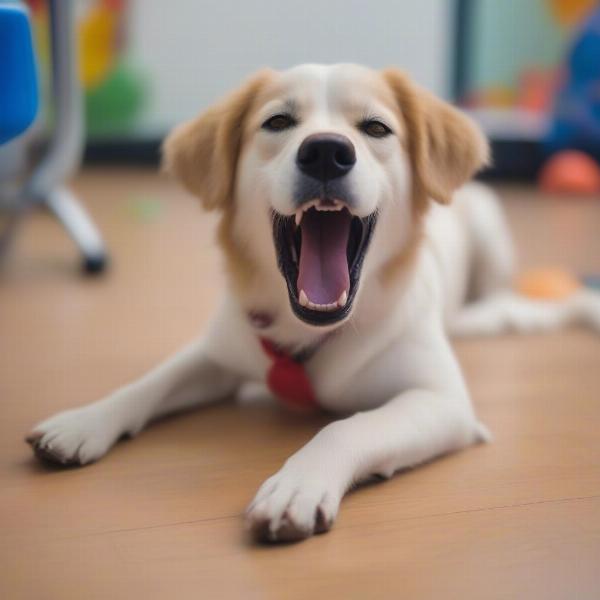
(94, 265)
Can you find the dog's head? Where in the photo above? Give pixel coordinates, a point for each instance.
(323, 172)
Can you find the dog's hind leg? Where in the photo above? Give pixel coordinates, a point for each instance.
(82, 435)
(492, 306)
(508, 311)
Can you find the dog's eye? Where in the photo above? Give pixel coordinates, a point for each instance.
(279, 122)
(375, 128)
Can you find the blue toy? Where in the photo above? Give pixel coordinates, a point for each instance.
(18, 80)
(576, 114)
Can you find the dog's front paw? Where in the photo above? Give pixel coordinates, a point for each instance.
(74, 437)
(291, 506)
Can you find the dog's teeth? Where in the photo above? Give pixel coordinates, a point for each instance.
(342, 299)
(304, 301)
(298, 217)
(303, 298)
(329, 208)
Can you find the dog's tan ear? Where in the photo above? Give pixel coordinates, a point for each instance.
(446, 147)
(203, 153)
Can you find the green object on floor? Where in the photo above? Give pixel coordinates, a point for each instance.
(145, 210)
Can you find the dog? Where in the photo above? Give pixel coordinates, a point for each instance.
(354, 246)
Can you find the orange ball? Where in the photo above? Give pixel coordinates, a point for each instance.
(571, 172)
(547, 284)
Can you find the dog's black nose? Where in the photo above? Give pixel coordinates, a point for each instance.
(326, 156)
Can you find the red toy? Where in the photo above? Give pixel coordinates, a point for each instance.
(571, 172)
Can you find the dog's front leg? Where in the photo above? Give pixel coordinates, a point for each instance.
(83, 435)
(429, 419)
(304, 496)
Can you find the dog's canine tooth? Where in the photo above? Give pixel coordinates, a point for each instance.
(342, 299)
(303, 298)
(298, 217)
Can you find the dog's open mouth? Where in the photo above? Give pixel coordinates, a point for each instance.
(320, 253)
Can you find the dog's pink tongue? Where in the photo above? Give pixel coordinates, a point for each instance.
(323, 269)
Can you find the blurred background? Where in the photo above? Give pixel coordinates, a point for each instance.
(508, 62)
(110, 78)
(184, 63)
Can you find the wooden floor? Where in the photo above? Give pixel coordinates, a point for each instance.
(159, 517)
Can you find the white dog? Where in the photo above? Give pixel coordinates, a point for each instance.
(346, 271)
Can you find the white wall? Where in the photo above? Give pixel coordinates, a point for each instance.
(195, 50)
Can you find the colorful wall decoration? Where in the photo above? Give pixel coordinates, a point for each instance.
(518, 48)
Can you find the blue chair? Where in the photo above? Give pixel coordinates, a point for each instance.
(18, 78)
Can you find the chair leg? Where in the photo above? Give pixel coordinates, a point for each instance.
(66, 141)
(65, 206)
(63, 155)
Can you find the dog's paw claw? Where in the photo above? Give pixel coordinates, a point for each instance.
(72, 438)
(287, 509)
(34, 437)
(47, 455)
(322, 523)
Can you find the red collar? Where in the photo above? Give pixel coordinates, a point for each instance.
(287, 377)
